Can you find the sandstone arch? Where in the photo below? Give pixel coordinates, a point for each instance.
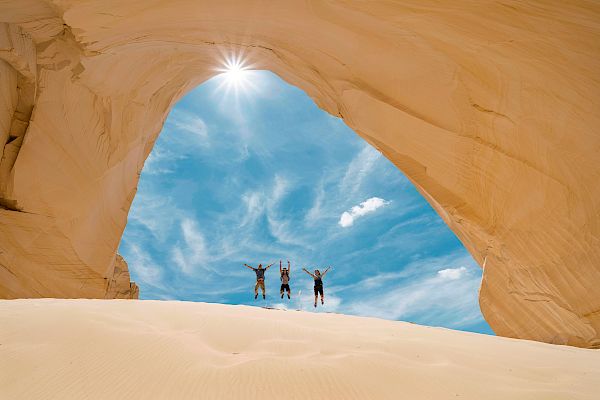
(491, 110)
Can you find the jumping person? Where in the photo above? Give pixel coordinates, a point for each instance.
(260, 278)
(285, 279)
(318, 277)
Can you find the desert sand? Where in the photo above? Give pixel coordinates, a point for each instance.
(120, 349)
(490, 110)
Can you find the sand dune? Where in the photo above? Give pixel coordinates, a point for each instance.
(489, 108)
(119, 349)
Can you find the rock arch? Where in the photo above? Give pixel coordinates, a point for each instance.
(491, 111)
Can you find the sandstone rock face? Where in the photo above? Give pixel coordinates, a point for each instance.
(119, 285)
(491, 111)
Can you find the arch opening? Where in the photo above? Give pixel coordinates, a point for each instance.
(262, 174)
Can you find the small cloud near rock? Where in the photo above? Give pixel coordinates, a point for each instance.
(366, 207)
(452, 273)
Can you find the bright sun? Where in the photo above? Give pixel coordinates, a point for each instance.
(235, 72)
(236, 77)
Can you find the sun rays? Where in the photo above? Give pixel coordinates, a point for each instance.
(236, 76)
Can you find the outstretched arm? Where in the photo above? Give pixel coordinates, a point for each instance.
(248, 266)
(280, 267)
(305, 270)
(289, 266)
(268, 266)
(324, 272)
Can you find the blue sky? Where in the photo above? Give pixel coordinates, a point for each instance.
(262, 174)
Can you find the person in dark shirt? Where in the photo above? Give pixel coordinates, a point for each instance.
(285, 279)
(318, 277)
(260, 278)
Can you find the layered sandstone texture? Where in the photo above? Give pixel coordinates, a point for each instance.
(490, 109)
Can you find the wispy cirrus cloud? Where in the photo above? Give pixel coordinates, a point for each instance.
(147, 271)
(358, 169)
(438, 291)
(190, 255)
(189, 126)
(338, 186)
(148, 211)
(160, 161)
(183, 134)
(315, 213)
(265, 204)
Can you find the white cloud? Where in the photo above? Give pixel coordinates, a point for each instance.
(192, 254)
(184, 133)
(366, 207)
(146, 271)
(280, 189)
(316, 211)
(259, 204)
(452, 273)
(280, 226)
(283, 231)
(447, 298)
(149, 210)
(358, 169)
(192, 236)
(159, 161)
(190, 124)
(254, 207)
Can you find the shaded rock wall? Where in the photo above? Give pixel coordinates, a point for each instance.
(491, 111)
(119, 285)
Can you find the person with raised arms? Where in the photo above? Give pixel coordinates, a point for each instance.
(318, 278)
(285, 279)
(260, 278)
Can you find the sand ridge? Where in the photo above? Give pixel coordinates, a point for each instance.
(117, 349)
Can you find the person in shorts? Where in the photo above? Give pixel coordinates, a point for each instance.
(318, 278)
(285, 279)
